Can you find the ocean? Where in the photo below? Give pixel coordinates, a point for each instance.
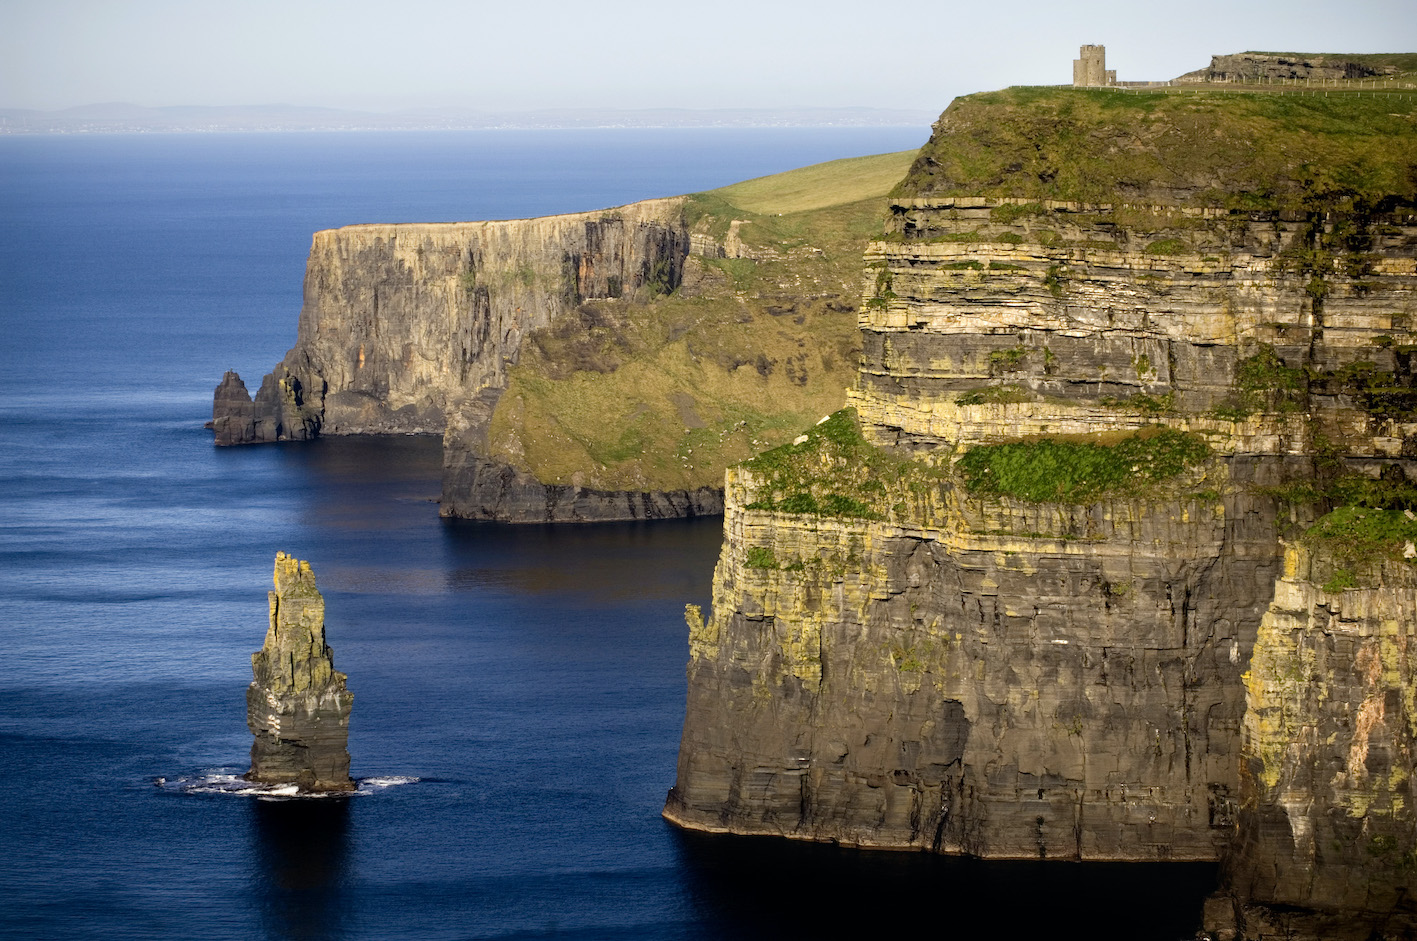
(519, 691)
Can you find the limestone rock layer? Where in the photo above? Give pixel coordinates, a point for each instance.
(968, 672)
(297, 706)
(1328, 827)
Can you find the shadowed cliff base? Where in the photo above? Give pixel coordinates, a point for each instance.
(827, 891)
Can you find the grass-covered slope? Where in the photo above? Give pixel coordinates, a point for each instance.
(663, 392)
(1199, 146)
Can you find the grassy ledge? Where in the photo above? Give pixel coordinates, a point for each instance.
(1359, 536)
(833, 471)
(1051, 470)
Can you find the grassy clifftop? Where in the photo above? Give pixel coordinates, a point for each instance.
(663, 392)
(1196, 146)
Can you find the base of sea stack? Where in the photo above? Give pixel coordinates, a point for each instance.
(482, 489)
(311, 769)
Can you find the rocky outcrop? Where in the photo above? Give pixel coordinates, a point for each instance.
(233, 414)
(1260, 67)
(297, 705)
(278, 413)
(410, 329)
(1327, 839)
(475, 487)
(925, 662)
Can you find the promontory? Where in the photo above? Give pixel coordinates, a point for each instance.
(1111, 556)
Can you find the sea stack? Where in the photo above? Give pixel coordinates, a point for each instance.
(297, 705)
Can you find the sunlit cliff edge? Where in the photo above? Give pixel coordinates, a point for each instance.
(1124, 353)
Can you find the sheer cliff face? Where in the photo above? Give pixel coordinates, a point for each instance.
(1330, 735)
(404, 325)
(1004, 680)
(1015, 679)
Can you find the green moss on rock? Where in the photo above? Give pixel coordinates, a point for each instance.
(1049, 470)
(831, 470)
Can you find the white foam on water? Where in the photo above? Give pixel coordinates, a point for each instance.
(229, 781)
(392, 780)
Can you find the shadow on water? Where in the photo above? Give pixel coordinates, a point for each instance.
(302, 866)
(662, 559)
(763, 887)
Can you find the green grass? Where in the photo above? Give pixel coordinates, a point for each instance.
(1009, 393)
(664, 391)
(836, 472)
(761, 557)
(1264, 383)
(1049, 470)
(817, 187)
(1355, 536)
(1203, 147)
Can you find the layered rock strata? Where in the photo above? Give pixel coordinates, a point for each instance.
(297, 706)
(410, 329)
(955, 671)
(477, 487)
(1328, 823)
(1259, 67)
(989, 677)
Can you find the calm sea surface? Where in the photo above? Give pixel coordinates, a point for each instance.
(518, 691)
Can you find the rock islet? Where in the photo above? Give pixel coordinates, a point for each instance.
(297, 704)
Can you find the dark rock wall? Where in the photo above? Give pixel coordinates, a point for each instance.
(475, 487)
(961, 689)
(1259, 67)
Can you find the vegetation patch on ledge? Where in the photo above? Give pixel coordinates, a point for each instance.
(1055, 470)
(1359, 536)
(833, 471)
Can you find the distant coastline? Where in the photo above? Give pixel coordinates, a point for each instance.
(121, 118)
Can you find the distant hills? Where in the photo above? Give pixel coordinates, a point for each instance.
(120, 117)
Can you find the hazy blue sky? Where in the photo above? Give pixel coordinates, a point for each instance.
(515, 54)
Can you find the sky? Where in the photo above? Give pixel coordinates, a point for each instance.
(387, 55)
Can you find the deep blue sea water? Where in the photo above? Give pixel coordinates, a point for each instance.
(530, 679)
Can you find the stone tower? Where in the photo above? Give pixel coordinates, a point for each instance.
(1090, 67)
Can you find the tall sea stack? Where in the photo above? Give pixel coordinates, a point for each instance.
(297, 706)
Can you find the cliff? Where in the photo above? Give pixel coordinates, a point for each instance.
(1272, 67)
(1328, 831)
(1116, 346)
(297, 705)
(404, 323)
(591, 366)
